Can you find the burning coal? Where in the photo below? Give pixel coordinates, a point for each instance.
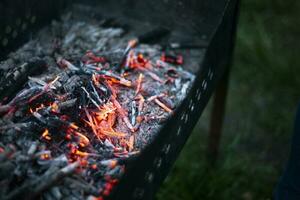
(95, 98)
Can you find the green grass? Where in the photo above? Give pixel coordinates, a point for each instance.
(262, 100)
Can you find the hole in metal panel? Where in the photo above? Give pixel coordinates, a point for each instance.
(4, 42)
(191, 104)
(8, 29)
(149, 176)
(178, 131)
(205, 85)
(182, 116)
(186, 119)
(192, 108)
(138, 193)
(14, 34)
(24, 26)
(27, 16)
(199, 96)
(33, 19)
(210, 73)
(157, 162)
(166, 148)
(18, 21)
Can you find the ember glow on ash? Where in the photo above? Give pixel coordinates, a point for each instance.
(91, 111)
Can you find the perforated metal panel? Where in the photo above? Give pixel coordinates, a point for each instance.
(20, 19)
(159, 157)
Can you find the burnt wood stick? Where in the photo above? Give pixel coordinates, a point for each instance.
(152, 36)
(33, 188)
(17, 78)
(67, 104)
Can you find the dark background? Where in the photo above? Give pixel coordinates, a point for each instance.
(262, 100)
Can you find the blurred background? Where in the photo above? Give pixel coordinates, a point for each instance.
(263, 95)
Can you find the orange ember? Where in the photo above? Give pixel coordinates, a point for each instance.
(46, 135)
(102, 122)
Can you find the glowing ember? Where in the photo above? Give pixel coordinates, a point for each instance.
(46, 135)
(93, 110)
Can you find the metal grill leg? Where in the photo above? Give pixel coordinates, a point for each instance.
(217, 117)
(218, 111)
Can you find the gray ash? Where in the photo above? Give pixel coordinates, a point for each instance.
(79, 101)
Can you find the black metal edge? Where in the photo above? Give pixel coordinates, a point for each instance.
(144, 175)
